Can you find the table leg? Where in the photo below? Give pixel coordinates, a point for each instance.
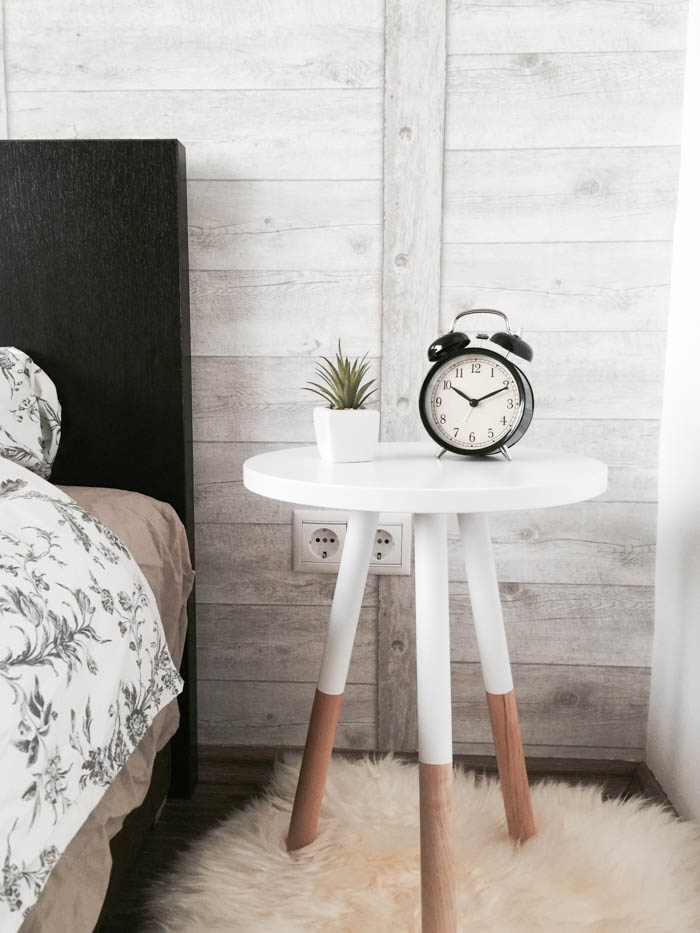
(437, 852)
(345, 611)
(495, 665)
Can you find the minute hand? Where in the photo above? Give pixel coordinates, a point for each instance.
(483, 397)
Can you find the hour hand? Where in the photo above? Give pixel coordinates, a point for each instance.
(459, 392)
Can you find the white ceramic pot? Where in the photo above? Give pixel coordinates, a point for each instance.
(347, 435)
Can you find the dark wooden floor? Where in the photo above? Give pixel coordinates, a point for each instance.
(229, 777)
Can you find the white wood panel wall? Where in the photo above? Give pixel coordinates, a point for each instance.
(560, 183)
(560, 175)
(280, 108)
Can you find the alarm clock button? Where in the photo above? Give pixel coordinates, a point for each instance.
(455, 340)
(513, 344)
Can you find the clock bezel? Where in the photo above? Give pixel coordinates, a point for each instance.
(519, 426)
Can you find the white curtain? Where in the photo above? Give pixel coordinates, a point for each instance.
(673, 747)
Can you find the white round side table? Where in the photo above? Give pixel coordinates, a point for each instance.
(407, 477)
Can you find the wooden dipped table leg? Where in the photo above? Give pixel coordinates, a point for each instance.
(511, 765)
(437, 849)
(345, 611)
(314, 768)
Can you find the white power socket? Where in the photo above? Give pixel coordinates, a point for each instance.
(318, 538)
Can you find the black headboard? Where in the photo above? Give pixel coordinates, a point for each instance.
(94, 286)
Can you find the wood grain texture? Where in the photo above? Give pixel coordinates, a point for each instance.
(219, 493)
(247, 565)
(578, 705)
(257, 713)
(238, 398)
(578, 376)
(286, 225)
(414, 115)
(251, 313)
(277, 134)
(318, 747)
(546, 195)
(503, 713)
(547, 99)
(564, 624)
(397, 723)
(136, 46)
(598, 375)
(548, 753)
(282, 644)
(437, 849)
(549, 25)
(3, 72)
(560, 286)
(610, 543)
(628, 447)
(565, 710)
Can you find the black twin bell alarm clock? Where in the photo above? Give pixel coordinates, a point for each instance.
(475, 401)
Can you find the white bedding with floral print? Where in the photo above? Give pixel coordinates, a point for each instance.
(84, 669)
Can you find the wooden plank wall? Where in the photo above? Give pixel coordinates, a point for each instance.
(280, 108)
(560, 178)
(559, 182)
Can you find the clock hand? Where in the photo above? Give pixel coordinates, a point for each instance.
(459, 392)
(483, 397)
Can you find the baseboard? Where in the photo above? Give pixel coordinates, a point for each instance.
(214, 756)
(646, 785)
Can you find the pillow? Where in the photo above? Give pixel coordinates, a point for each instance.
(30, 414)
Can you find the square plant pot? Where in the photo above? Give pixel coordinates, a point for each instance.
(348, 435)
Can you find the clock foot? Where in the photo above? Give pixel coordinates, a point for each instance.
(505, 453)
(442, 453)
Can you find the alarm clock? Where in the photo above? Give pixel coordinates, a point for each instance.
(475, 401)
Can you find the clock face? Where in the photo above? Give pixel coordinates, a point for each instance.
(472, 402)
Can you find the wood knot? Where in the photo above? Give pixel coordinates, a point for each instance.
(565, 698)
(590, 187)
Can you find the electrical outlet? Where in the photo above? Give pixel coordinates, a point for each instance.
(318, 538)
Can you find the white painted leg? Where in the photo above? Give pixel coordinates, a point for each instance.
(345, 611)
(495, 665)
(438, 903)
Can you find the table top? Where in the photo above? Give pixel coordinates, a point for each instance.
(408, 477)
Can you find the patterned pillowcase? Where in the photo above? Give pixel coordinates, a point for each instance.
(30, 413)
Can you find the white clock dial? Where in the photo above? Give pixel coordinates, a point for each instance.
(473, 401)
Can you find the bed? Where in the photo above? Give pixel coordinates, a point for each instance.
(94, 284)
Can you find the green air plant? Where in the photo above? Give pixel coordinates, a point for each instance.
(341, 383)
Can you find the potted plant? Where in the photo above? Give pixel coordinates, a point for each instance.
(346, 431)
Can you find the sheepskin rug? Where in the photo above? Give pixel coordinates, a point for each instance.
(595, 865)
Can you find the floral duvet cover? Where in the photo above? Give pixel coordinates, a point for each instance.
(84, 669)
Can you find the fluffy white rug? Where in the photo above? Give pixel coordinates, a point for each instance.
(594, 865)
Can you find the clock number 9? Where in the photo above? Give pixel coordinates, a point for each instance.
(438, 401)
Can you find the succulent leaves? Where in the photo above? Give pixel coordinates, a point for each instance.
(342, 383)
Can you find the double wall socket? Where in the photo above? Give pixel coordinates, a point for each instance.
(319, 536)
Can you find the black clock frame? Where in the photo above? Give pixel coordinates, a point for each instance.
(520, 425)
